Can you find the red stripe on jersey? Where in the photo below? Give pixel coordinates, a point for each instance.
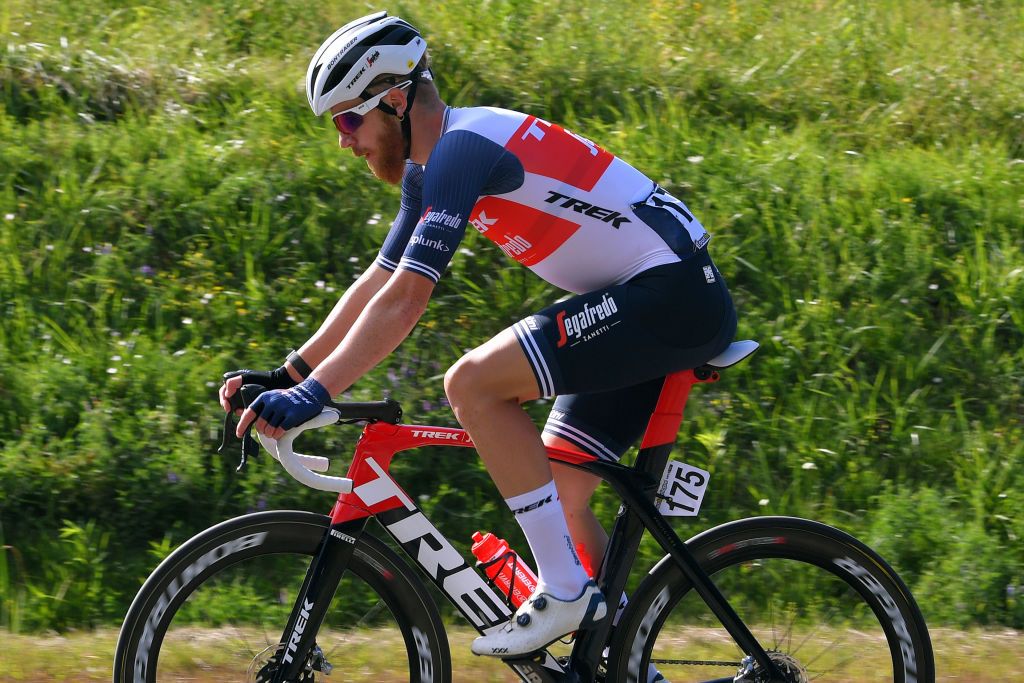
(551, 151)
(522, 232)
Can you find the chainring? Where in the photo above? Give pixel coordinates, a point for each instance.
(791, 670)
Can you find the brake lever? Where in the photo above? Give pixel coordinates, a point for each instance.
(239, 401)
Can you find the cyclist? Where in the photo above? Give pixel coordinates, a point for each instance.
(647, 298)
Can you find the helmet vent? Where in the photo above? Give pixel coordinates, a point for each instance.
(345, 65)
(312, 77)
(397, 34)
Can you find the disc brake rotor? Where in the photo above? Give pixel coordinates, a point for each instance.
(265, 664)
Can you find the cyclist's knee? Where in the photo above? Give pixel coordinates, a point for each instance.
(464, 383)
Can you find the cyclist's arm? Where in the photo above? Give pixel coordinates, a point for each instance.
(388, 319)
(462, 168)
(344, 315)
(347, 310)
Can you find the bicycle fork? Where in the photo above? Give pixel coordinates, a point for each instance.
(318, 588)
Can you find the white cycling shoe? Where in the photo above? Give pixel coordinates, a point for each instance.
(542, 620)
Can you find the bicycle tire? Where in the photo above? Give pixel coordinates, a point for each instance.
(222, 568)
(771, 567)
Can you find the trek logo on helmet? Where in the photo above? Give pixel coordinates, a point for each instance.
(358, 75)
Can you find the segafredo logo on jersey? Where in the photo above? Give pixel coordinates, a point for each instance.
(588, 323)
(441, 219)
(515, 246)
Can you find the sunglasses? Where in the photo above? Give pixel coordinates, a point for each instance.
(348, 121)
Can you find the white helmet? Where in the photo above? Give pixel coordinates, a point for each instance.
(356, 54)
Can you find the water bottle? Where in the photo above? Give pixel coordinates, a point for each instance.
(497, 561)
(588, 566)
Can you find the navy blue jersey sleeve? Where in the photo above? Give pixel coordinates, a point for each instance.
(405, 222)
(460, 169)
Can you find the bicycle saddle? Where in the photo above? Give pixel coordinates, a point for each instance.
(736, 352)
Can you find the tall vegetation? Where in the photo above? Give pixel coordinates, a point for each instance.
(169, 210)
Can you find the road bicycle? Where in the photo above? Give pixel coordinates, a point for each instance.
(768, 599)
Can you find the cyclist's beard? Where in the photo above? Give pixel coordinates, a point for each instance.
(388, 163)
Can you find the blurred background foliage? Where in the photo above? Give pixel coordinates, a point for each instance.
(170, 210)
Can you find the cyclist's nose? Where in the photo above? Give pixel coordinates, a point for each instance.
(345, 141)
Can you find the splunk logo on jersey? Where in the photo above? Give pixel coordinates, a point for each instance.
(587, 209)
(437, 245)
(441, 219)
(588, 323)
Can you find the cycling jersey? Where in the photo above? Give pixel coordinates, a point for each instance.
(650, 300)
(578, 216)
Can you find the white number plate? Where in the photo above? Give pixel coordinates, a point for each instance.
(682, 489)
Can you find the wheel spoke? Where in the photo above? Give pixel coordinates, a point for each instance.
(192, 625)
(803, 593)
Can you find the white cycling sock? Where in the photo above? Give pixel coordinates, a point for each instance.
(540, 515)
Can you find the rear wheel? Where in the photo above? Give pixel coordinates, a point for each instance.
(824, 606)
(215, 609)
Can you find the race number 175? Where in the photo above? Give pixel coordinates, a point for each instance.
(682, 489)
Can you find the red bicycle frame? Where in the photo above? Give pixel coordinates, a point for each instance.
(380, 442)
(374, 493)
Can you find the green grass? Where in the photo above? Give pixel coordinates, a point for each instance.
(169, 210)
(974, 656)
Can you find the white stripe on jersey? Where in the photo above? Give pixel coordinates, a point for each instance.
(386, 263)
(567, 431)
(535, 358)
(421, 268)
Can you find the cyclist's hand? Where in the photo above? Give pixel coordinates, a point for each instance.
(233, 381)
(275, 412)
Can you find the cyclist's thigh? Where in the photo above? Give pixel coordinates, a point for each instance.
(668, 318)
(606, 353)
(604, 423)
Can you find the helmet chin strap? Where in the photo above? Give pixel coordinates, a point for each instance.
(405, 118)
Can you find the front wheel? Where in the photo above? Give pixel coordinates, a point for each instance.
(825, 606)
(215, 609)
